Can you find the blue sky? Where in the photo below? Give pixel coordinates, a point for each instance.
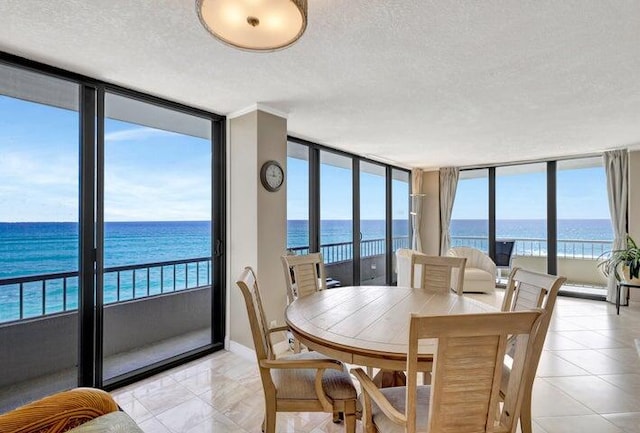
(581, 194)
(150, 174)
(336, 193)
(156, 175)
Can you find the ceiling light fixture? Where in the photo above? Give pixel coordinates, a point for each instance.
(254, 25)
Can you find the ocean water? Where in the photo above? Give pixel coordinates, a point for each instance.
(586, 238)
(337, 231)
(28, 249)
(568, 229)
(43, 248)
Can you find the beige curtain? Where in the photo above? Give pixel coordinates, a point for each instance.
(416, 208)
(448, 185)
(616, 165)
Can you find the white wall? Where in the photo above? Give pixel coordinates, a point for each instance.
(430, 227)
(257, 218)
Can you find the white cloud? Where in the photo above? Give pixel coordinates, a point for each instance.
(156, 195)
(22, 169)
(44, 187)
(141, 133)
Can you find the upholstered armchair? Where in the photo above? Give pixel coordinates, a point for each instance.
(480, 272)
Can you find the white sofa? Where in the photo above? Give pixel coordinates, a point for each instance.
(479, 274)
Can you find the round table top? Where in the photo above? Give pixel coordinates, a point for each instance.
(369, 325)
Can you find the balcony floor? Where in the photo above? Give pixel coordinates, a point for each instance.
(588, 380)
(23, 392)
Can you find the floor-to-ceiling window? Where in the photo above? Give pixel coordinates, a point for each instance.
(521, 213)
(92, 178)
(39, 152)
(297, 198)
(373, 224)
(584, 224)
(336, 216)
(400, 213)
(157, 234)
(353, 210)
(470, 216)
(555, 212)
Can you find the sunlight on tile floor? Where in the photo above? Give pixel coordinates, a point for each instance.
(588, 381)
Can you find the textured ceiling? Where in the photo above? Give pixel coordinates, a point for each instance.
(421, 83)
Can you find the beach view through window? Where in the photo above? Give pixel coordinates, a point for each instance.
(584, 230)
(336, 215)
(106, 226)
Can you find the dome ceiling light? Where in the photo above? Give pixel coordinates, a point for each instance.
(254, 25)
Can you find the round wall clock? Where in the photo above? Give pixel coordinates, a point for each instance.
(272, 175)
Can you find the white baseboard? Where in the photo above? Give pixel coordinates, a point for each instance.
(242, 351)
(250, 354)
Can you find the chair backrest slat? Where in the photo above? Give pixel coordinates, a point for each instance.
(527, 290)
(304, 274)
(467, 369)
(248, 284)
(437, 272)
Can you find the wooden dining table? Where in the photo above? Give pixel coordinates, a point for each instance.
(369, 325)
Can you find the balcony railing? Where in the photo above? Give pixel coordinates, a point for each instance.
(343, 251)
(41, 295)
(533, 247)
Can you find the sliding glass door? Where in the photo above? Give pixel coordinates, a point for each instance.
(110, 202)
(373, 224)
(336, 217)
(584, 225)
(157, 276)
(39, 188)
(521, 213)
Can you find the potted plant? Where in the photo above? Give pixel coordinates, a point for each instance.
(628, 258)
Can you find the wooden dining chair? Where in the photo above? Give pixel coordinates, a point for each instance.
(465, 393)
(304, 274)
(304, 382)
(527, 290)
(436, 272)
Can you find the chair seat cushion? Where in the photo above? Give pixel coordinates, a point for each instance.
(298, 384)
(396, 397)
(476, 274)
(478, 280)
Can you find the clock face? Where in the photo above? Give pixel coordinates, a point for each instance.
(272, 175)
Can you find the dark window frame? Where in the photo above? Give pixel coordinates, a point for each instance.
(552, 211)
(90, 172)
(314, 202)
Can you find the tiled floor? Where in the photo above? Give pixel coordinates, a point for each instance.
(588, 382)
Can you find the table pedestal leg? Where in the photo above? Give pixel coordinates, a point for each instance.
(390, 378)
